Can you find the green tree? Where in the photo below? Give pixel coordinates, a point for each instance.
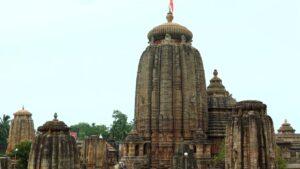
(120, 127)
(21, 152)
(280, 161)
(84, 129)
(4, 131)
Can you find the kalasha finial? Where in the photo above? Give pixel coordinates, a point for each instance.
(23, 107)
(170, 16)
(215, 72)
(55, 116)
(285, 120)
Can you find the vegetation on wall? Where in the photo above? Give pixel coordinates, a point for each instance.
(219, 159)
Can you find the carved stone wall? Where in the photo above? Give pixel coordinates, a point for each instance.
(250, 138)
(54, 148)
(21, 129)
(98, 154)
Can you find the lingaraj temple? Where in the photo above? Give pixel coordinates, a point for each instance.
(180, 122)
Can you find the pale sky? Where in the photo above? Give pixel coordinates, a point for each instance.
(79, 57)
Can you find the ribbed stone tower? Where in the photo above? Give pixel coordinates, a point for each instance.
(250, 138)
(171, 100)
(220, 108)
(54, 148)
(21, 129)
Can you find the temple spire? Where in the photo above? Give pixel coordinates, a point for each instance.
(55, 116)
(170, 16)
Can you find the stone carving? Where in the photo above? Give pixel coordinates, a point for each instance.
(54, 148)
(250, 138)
(21, 129)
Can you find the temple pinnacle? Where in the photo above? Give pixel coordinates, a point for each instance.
(55, 116)
(215, 72)
(170, 16)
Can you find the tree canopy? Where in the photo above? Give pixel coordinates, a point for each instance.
(21, 152)
(4, 131)
(120, 127)
(84, 129)
(118, 130)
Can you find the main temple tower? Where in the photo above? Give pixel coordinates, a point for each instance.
(170, 103)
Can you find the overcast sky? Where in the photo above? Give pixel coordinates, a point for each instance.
(79, 57)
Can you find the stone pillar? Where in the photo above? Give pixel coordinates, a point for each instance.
(131, 151)
(250, 141)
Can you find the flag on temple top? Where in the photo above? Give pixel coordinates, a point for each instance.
(171, 6)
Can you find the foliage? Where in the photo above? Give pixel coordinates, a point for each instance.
(22, 154)
(280, 161)
(4, 131)
(220, 157)
(118, 131)
(84, 129)
(120, 127)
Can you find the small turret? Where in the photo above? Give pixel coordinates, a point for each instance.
(286, 128)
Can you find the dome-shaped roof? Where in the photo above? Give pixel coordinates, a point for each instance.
(54, 126)
(176, 31)
(22, 112)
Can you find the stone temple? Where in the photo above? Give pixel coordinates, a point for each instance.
(54, 148)
(21, 129)
(179, 122)
(250, 139)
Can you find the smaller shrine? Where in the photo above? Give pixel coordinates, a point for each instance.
(21, 129)
(289, 144)
(54, 148)
(250, 139)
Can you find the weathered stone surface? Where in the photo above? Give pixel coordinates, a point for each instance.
(21, 129)
(98, 154)
(171, 99)
(250, 138)
(289, 144)
(5, 163)
(54, 148)
(220, 108)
